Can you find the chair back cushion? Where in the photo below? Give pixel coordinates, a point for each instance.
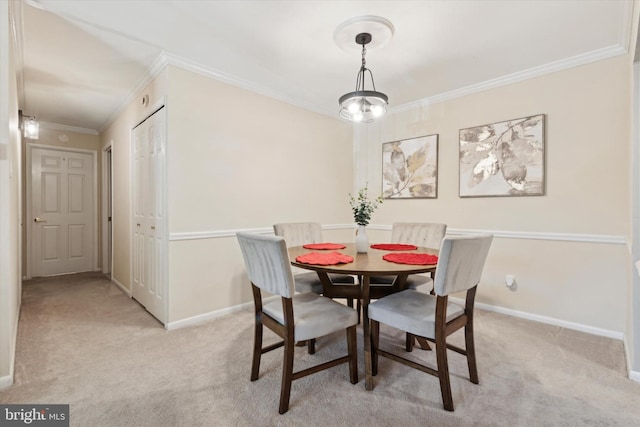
(460, 263)
(425, 234)
(267, 263)
(299, 233)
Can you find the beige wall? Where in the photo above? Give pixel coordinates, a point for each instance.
(10, 202)
(238, 160)
(235, 160)
(588, 187)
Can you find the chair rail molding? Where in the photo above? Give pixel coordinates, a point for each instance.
(504, 234)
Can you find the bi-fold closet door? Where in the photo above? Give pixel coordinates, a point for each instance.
(149, 222)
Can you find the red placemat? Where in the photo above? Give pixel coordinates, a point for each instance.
(394, 247)
(417, 259)
(324, 258)
(323, 246)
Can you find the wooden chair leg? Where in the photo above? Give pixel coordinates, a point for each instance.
(311, 346)
(375, 341)
(443, 374)
(359, 309)
(352, 348)
(471, 353)
(350, 302)
(410, 340)
(257, 351)
(287, 375)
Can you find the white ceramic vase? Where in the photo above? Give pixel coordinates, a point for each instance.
(362, 242)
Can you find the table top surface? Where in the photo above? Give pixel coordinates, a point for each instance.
(370, 263)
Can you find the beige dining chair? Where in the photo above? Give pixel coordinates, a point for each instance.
(293, 316)
(425, 234)
(434, 317)
(298, 234)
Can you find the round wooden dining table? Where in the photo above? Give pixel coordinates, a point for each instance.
(364, 266)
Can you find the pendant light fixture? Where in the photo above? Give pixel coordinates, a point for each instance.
(363, 105)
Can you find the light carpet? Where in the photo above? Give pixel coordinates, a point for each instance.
(83, 342)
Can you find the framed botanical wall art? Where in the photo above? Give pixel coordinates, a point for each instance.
(503, 159)
(410, 168)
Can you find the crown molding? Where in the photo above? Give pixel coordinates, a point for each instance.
(621, 48)
(66, 128)
(626, 25)
(241, 83)
(560, 65)
(552, 67)
(166, 58)
(154, 70)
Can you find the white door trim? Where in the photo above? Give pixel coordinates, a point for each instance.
(27, 222)
(106, 268)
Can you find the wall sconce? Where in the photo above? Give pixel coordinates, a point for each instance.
(30, 127)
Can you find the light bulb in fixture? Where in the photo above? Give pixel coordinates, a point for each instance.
(31, 128)
(377, 111)
(353, 107)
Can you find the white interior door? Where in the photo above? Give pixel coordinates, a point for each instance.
(149, 219)
(62, 209)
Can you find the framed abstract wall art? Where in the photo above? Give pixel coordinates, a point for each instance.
(410, 168)
(503, 159)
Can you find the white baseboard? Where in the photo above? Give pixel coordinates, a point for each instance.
(201, 318)
(7, 380)
(548, 320)
(515, 313)
(634, 376)
(123, 288)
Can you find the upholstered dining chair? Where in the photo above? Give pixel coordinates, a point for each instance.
(293, 316)
(298, 234)
(434, 317)
(424, 234)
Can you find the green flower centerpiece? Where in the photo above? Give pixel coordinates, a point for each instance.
(362, 209)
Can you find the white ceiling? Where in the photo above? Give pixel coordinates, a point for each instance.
(81, 60)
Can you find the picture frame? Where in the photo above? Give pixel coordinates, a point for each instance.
(410, 168)
(503, 159)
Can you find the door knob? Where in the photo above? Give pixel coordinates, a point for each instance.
(37, 219)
